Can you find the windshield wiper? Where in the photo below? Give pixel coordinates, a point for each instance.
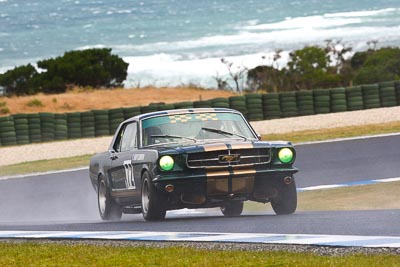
(223, 132)
(172, 136)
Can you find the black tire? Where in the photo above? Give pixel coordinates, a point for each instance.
(108, 209)
(232, 209)
(153, 208)
(286, 200)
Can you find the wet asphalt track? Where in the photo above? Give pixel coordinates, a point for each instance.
(67, 202)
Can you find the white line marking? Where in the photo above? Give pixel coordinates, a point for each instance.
(298, 239)
(347, 139)
(354, 183)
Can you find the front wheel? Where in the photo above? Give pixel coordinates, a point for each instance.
(153, 208)
(108, 209)
(233, 208)
(286, 200)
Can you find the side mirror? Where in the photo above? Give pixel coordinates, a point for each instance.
(112, 154)
(259, 137)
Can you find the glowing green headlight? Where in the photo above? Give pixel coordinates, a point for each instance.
(166, 163)
(285, 155)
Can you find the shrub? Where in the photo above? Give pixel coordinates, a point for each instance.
(92, 67)
(35, 103)
(4, 110)
(19, 81)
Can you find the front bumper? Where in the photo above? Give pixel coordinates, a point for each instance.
(206, 187)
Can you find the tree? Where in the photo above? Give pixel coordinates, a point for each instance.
(92, 67)
(266, 78)
(237, 74)
(380, 65)
(310, 68)
(19, 81)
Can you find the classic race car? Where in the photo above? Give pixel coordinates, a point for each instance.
(191, 158)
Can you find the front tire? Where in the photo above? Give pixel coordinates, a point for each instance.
(108, 209)
(153, 206)
(232, 209)
(286, 200)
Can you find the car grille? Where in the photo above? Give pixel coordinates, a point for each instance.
(210, 159)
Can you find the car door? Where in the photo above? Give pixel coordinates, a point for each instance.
(122, 175)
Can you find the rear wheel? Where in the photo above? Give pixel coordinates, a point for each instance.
(233, 208)
(153, 206)
(108, 209)
(286, 200)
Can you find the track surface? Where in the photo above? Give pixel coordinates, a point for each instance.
(67, 202)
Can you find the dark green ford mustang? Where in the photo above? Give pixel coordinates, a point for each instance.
(192, 158)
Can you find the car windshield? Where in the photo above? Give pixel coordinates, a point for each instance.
(194, 127)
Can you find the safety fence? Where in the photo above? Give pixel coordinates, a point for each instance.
(43, 127)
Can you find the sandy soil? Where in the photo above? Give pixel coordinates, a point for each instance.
(70, 148)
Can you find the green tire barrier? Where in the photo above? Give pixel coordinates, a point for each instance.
(305, 103)
(183, 105)
(238, 103)
(131, 112)
(7, 131)
(354, 98)
(74, 125)
(116, 116)
(220, 102)
(387, 84)
(254, 107)
(322, 101)
(21, 128)
(202, 104)
(397, 86)
(60, 127)
(271, 106)
(370, 95)
(87, 124)
(288, 104)
(388, 96)
(166, 107)
(338, 100)
(147, 109)
(102, 125)
(47, 126)
(35, 135)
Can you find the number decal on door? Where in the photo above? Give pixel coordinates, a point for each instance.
(129, 178)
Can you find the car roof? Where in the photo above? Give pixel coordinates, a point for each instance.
(180, 111)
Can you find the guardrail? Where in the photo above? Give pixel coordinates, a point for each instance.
(21, 129)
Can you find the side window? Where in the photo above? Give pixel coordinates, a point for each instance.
(129, 138)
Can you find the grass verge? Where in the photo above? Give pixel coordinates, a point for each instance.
(38, 254)
(363, 197)
(295, 137)
(335, 133)
(45, 165)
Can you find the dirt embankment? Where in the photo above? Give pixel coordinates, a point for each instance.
(79, 100)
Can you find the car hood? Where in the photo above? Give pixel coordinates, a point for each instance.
(218, 145)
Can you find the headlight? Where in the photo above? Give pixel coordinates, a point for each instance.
(166, 163)
(285, 155)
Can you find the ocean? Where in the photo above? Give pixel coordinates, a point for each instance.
(178, 42)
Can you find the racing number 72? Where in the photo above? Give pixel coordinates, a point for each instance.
(129, 178)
